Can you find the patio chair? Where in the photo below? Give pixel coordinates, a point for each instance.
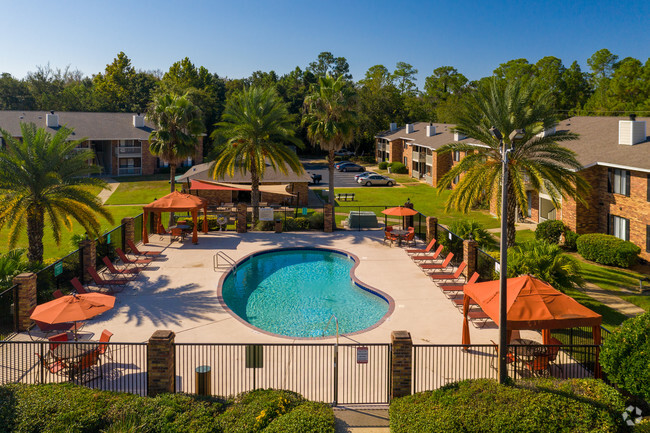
(389, 228)
(136, 252)
(125, 272)
(133, 262)
(437, 266)
(86, 365)
(456, 275)
(410, 238)
(54, 366)
(388, 236)
(451, 289)
(105, 349)
(432, 257)
(423, 251)
(540, 365)
(552, 351)
(510, 357)
(55, 340)
(114, 285)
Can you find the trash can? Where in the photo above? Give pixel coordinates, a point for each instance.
(203, 380)
(389, 172)
(278, 226)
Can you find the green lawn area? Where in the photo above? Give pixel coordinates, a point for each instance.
(426, 199)
(141, 192)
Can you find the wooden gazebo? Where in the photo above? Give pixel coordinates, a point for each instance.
(176, 202)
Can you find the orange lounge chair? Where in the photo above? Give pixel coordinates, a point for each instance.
(456, 275)
(130, 272)
(57, 294)
(127, 261)
(478, 316)
(423, 251)
(434, 266)
(102, 282)
(431, 257)
(451, 289)
(78, 287)
(135, 251)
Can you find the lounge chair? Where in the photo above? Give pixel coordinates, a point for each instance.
(456, 275)
(57, 294)
(423, 251)
(114, 285)
(437, 266)
(479, 317)
(136, 252)
(134, 262)
(125, 272)
(450, 289)
(432, 257)
(78, 287)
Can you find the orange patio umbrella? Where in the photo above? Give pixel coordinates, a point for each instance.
(399, 211)
(73, 308)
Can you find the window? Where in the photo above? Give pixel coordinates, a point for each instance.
(647, 239)
(619, 227)
(456, 179)
(618, 181)
(406, 161)
(648, 188)
(456, 155)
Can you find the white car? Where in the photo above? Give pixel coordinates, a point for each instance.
(364, 174)
(376, 179)
(344, 152)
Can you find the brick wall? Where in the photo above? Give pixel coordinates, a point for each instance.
(401, 364)
(161, 363)
(534, 206)
(441, 166)
(26, 298)
(586, 218)
(148, 160)
(408, 153)
(396, 150)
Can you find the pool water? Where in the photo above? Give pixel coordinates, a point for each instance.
(295, 292)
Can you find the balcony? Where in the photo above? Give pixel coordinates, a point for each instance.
(126, 171)
(123, 151)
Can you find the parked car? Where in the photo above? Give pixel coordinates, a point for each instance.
(336, 164)
(350, 166)
(364, 174)
(376, 179)
(344, 152)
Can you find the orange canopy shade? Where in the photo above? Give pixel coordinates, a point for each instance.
(399, 211)
(73, 308)
(177, 202)
(202, 185)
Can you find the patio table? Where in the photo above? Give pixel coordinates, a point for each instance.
(400, 235)
(527, 350)
(73, 351)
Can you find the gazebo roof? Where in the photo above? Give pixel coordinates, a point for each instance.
(176, 201)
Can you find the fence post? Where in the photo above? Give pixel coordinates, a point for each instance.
(161, 363)
(470, 254)
(128, 231)
(242, 211)
(26, 299)
(400, 363)
(88, 258)
(328, 216)
(432, 228)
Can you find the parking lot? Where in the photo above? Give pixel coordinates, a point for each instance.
(341, 180)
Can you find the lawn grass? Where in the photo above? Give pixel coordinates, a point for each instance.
(611, 318)
(141, 192)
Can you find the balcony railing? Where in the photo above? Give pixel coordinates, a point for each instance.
(128, 150)
(123, 171)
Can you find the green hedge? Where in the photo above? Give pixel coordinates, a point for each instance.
(69, 408)
(548, 405)
(383, 165)
(625, 356)
(550, 231)
(398, 167)
(608, 250)
(570, 240)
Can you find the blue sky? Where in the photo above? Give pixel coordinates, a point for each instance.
(235, 38)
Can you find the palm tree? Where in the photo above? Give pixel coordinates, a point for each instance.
(13, 263)
(257, 126)
(46, 178)
(330, 118)
(536, 160)
(178, 123)
(545, 261)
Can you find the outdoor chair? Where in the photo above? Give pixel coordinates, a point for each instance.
(57, 294)
(54, 366)
(78, 287)
(114, 285)
(432, 257)
(451, 289)
(552, 351)
(410, 238)
(540, 365)
(389, 228)
(388, 236)
(125, 272)
(437, 266)
(105, 349)
(55, 340)
(177, 233)
(86, 366)
(49, 328)
(133, 262)
(456, 275)
(510, 357)
(479, 318)
(136, 252)
(422, 251)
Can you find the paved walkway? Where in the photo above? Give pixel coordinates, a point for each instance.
(612, 300)
(106, 193)
(352, 419)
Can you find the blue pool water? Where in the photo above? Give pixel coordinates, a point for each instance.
(295, 292)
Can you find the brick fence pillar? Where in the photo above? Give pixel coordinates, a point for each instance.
(470, 255)
(401, 363)
(26, 283)
(129, 231)
(432, 228)
(242, 211)
(89, 257)
(329, 219)
(161, 363)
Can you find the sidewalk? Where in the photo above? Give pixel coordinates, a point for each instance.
(359, 419)
(106, 193)
(612, 300)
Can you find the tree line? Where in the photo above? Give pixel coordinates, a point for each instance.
(610, 87)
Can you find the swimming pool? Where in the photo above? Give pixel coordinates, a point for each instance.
(294, 292)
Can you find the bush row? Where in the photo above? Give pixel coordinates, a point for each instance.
(608, 250)
(70, 408)
(395, 167)
(291, 224)
(548, 405)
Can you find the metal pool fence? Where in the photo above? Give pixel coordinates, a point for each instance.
(8, 310)
(486, 266)
(452, 243)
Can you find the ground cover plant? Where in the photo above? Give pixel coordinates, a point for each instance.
(70, 408)
(543, 405)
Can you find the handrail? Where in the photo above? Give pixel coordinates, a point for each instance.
(229, 260)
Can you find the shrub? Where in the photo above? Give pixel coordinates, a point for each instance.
(465, 228)
(265, 226)
(570, 239)
(608, 250)
(399, 168)
(254, 410)
(550, 231)
(624, 356)
(295, 224)
(383, 165)
(545, 261)
(316, 221)
(308, 417)
(578, 405)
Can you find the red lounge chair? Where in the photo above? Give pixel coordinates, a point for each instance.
(434, 266)
(111, 284)
(127, 261)
(78, 287)
(478, 316)
(57, 294)
(453, 276)
(432, 257)
(135, 251)
(130, 272)
(423, 251)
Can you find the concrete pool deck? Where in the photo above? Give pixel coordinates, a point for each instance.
(179, 293)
